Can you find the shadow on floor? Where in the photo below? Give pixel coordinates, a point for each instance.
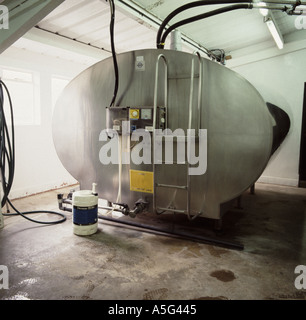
(270, 222)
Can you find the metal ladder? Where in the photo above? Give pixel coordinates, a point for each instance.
(187, 187)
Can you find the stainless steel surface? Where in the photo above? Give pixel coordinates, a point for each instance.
(238, 123)
(170, 186)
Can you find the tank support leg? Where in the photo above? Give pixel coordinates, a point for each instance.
(252, 189)
(238, 206)
(218, 224)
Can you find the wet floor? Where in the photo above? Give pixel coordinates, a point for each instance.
(51, 263)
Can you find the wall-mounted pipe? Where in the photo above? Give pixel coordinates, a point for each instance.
(176, 41)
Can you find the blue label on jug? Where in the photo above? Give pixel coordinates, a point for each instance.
(85, 216)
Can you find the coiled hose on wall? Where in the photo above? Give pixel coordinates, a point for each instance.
(7, 160)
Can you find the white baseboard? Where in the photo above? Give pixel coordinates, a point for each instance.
(279, 181)
(17, 193)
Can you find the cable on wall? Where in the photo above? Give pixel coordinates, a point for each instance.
(7, 161)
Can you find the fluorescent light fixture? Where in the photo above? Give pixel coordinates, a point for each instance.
(270, 21)
(275, 32)
(263, 11)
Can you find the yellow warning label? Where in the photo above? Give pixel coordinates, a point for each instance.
(141, 181)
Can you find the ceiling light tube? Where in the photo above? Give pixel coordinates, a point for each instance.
(275, 33)
(274, 30)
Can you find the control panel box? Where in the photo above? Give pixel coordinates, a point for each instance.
(123, 119)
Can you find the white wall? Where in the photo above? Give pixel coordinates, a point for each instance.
(280, 80)
(37, 165)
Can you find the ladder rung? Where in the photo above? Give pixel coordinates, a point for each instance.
(170, 162)
(180, 139)
(172, 210)
(183, 76)
(171, 186)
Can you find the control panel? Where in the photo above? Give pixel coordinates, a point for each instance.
(123, 119)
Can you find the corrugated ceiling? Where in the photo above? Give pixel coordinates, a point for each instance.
(87, 21)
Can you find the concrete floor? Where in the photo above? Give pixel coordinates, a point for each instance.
(51, 263)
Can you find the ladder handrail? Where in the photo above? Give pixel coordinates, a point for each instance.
(199, 120)
(190, 113)
(161, 56)
(190, 116)
(200, 91)
(190, 123)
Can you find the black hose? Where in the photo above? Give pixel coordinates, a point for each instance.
(7, 146)
(112, 37)
(7, 160)
(186, 7)
(200, 17)
(23, 214)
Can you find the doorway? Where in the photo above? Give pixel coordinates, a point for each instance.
(302, 166)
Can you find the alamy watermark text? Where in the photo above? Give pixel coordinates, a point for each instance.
(190, 148)
(4, 17)
(300, 280)
(4, 277)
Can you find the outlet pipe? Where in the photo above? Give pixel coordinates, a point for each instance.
(180, 235)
